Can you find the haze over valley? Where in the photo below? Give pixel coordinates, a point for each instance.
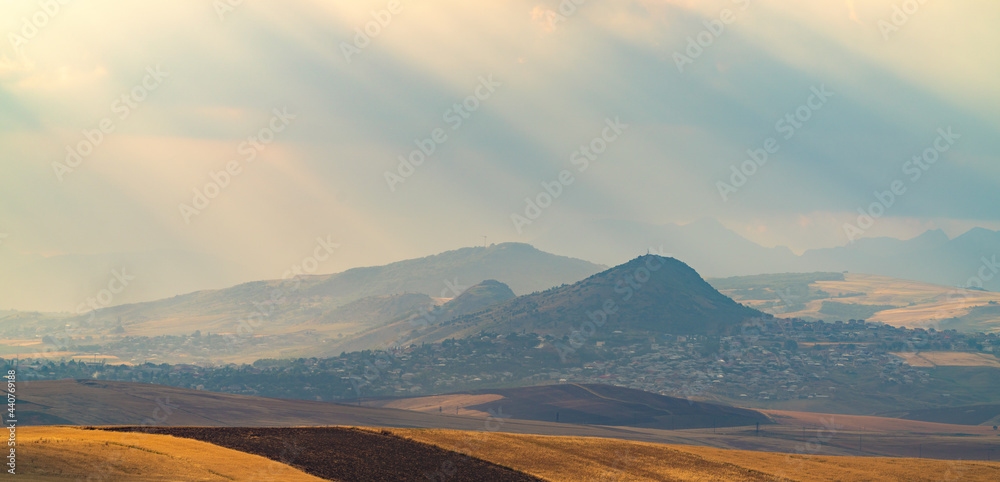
(553, 240)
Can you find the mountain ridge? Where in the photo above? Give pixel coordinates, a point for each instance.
(718, 252)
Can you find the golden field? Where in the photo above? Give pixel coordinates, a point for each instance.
(949, 359)
(921, 305)
(456, 404)
(69, 453)
(580, 458)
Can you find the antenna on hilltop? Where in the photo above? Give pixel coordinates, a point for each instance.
(484, 240)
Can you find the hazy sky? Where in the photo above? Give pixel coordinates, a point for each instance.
(181, 87)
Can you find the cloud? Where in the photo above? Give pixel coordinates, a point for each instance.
(355, 119)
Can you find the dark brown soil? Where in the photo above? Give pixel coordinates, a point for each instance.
(335, 453)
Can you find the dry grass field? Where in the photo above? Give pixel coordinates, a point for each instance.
(804, 467)
(872, 424)
(116, 403)
(451, 404)
(922, 305)
(576, 458)
(949, 359)
(69, 453)
(583, 404)
(349, 453)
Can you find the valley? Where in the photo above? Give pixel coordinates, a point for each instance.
(646, 352)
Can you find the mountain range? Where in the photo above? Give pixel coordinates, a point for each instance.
(65, 282)
(414, 301)
(308, 311)
(716, 251)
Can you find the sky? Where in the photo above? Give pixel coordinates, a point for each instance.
(246, 132)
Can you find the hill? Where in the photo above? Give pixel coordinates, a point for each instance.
(87, 402)
(520, 266)
(343, 453)
(648, 294)
(311, 298)
(69, 453)
(69, 402)
(482, 295)
(590, 404)
(572, 459)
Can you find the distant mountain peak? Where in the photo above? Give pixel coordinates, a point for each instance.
(979, 233)
(648, 264)
(513, 245)
(492, 283)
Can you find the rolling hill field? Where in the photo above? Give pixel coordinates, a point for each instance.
(71, 402)
(842, 296)
(346, 453)
(69, 453)
(584, 404)
(572, 459)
